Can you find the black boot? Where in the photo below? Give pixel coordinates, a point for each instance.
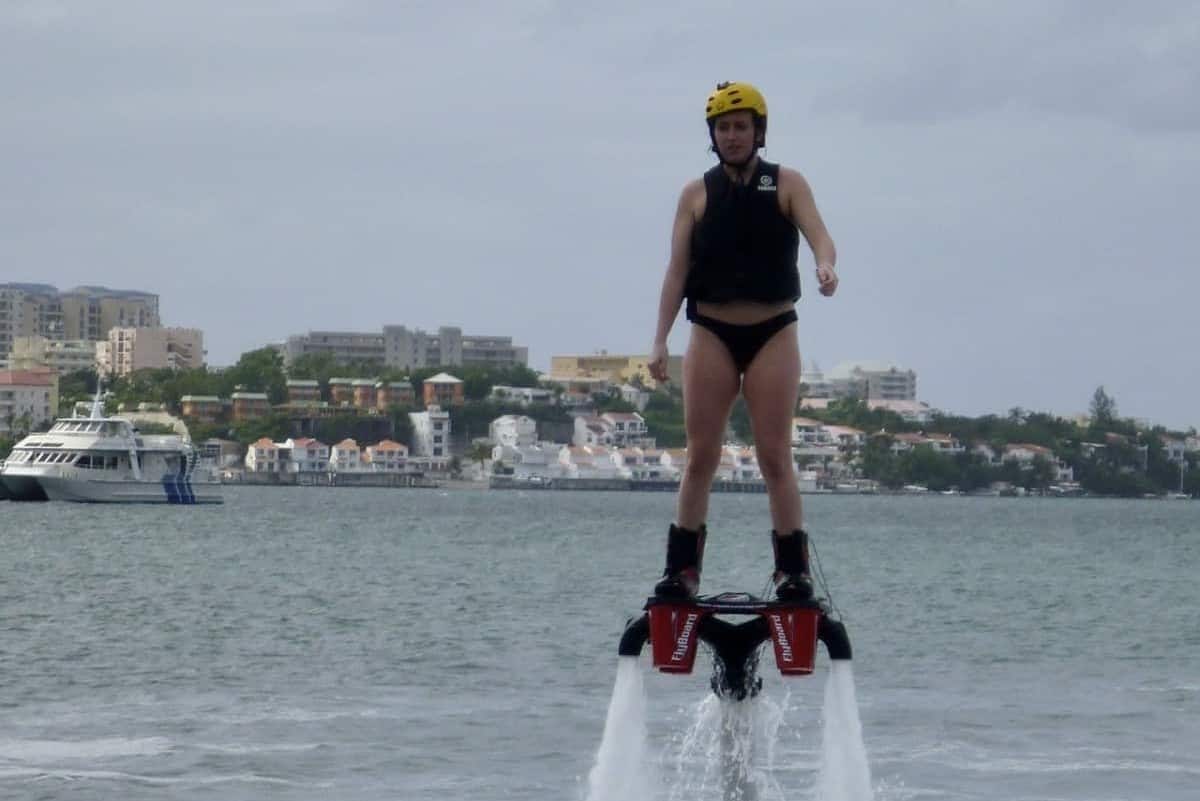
(685, 557)
(793, 582)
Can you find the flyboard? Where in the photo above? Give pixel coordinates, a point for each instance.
(675, 627)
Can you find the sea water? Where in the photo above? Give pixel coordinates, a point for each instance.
(305, 644)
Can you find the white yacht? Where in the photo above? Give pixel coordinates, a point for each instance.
(101, 459)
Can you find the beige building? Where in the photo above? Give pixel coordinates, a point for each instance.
(443, 389)
(130, 349)
(28, 310)
(90, 312)
(28, 399)
(872, 380)
(249, 405)
(62, 356)
(85, 312)
(616, 368)
(205, 408)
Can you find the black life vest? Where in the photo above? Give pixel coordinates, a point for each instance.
(743, 248)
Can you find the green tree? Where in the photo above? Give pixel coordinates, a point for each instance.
(257, 371)
(1103, 408)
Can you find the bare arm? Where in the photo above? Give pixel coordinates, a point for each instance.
(802, 209)
(675, 278)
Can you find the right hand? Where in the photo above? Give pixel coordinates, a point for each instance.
(658, 361)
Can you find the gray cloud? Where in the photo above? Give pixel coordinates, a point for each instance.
(1009, 185)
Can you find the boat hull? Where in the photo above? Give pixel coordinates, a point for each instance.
(168, 491)
(22, 488)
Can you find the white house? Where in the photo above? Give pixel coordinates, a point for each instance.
(431, 434)
(345, 457)
(308, 455)
(906, 442)
(739, 463)
(652, 467)
(987, 452)
(525, 396)
(539, 460)
(626, 428)
(944, 443)
(262, 457)
(846, 436)
(589, 461)
(1024, 453)
(638, 398)
(591, 431)
(1175, 450)
(515, 430)
(386, 457)
(807, 432)
(674, 459)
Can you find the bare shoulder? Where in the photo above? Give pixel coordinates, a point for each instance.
(795, 196)
(692, 198)
(792, 180)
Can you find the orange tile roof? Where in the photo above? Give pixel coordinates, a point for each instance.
(27, 378)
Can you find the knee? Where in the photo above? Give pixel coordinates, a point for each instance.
(703, 460)
(776, 465)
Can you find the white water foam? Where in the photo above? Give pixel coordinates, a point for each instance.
(845, 774)
(51, 751)
(621, 772)
(728, 752)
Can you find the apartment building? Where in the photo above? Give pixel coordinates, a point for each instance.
(344, 346)
(90, 312)
(28, 310)
(407, 349)
(443, 389)
(872, 380)
(28, 399)
(449, 347)
(129, 349)
(431, 434)
(513, 430)
(60, 355)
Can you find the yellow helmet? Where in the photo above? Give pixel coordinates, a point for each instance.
(734, 96)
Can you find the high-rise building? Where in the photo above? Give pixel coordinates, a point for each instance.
(28, 310)
(85, 313)
(90, 312)
(130, 349)
(409, 349)
(873, 380)
(62, 356)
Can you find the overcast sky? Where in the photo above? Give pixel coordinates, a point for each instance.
(1013, 187)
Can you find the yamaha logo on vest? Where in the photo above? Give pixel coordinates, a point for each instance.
(765, 184)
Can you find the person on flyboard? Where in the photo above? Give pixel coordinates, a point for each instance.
(734, 254)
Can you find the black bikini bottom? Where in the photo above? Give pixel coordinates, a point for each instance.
(743, 341)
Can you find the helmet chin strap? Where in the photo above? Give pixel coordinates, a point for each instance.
(739, 166)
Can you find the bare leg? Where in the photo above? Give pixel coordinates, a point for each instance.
(771, 387)
(710, 384)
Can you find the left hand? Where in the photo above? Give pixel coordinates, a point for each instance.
(827, 280)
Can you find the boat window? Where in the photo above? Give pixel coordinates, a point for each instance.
(84, 461)
(112, 462)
